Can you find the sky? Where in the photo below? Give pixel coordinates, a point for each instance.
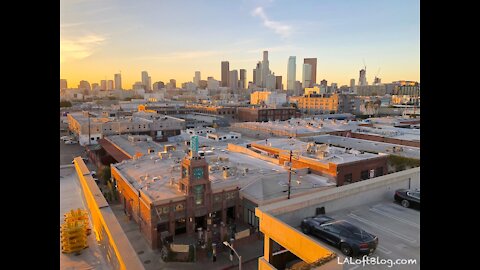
(171, 39)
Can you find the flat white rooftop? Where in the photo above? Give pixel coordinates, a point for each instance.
(335, 154)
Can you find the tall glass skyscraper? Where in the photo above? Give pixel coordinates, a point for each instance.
(307, 75)
(291, 73)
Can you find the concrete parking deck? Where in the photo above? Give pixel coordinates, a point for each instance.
(397, 228)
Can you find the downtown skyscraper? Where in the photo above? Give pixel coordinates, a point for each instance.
(291, 73)
(307, 76)
(313, 77)
(146, 81)
(225, 73)
(118, 81)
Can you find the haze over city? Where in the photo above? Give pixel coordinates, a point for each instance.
(173, 39)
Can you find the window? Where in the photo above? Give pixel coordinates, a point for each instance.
(379, 171)
(252, 219)
(198, 194)
(364, 175)
(348, 178)
(331, 229)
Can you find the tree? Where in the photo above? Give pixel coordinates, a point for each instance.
(65, 103)
(105, 174)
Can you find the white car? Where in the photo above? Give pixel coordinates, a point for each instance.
(64, 138)
(70, 142)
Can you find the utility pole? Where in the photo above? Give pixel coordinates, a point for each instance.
(290, 175)
(88, 113)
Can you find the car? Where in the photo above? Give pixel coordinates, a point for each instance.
(64, 138)
(70, 142)
(408, 198)
(350, 239)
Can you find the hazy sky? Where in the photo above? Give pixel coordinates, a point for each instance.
(171, 39)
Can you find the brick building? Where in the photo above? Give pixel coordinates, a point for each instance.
(264, 114)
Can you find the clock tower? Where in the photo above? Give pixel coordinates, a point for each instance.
(195, 183)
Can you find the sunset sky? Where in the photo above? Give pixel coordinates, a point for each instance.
(171, 39)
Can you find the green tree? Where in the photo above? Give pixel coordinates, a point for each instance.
(65, 103)
(105, 174)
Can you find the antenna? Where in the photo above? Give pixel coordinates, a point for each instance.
(364, 65)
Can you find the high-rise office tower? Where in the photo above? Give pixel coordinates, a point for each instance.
(291, 72)
(278, 83)
(118, 81)
(63, 84)
(146, 81)
(225, 73)
(377, 81)
(242, 84)
(196, 79)
(149, 83)
(254, 75)
(103, 85)
(233, 80)
(313, 76)
(258, 74)
(85, 85)
(265, 68)
(307, 76)
(363, 77)
(110, 85)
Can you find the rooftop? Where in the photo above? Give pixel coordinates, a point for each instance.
(135, 144)
(366, 145)
(304, 126)
(157, 177)
(391, 132)
(320, 152)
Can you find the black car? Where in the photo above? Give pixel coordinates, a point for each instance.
(349, 238)
(408, 197)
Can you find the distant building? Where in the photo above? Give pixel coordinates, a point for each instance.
(278, 83)
(103, 85)
(267, 98)
(317, 103)
(407, 88)
(225, 74)
(257, 77)
(353, 87)
(265, 114)
(95, 87)
(270, 82)
(158, 85)
(146, 81)
(197, 78)
(118, 81)
(362, 80)
(90, 129)
(85, 85)
(291, 73)
(242, 84)
(63, 84)
(110, 85)
(307, 76)
(202, 84)
(138, 86)
(324, 83)
(313, 77)
(298, 88)
(212, 84)
(233, 80)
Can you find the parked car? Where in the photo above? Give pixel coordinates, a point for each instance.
(64, 138)
(351, 239)
(408, 197)
(70, 142)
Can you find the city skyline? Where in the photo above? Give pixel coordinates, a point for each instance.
(94, 48)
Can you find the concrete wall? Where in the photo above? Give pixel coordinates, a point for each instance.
(359, 193)
(108, 232)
